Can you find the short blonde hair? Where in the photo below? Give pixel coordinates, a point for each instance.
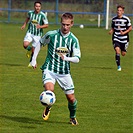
(67, 16)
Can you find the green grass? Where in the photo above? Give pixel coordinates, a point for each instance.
(104, 95)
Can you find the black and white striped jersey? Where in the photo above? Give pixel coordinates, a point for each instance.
(120, 24)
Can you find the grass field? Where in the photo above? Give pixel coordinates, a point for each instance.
(104, 95)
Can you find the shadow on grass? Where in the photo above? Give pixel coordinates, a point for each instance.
(21, 119)
(30, 120)
(10, 64)
(98, 67)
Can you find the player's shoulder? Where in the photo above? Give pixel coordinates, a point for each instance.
(52, 32)
(115, 17)
(42, 13)
(30, 11)
(73, 36)
(125, 17)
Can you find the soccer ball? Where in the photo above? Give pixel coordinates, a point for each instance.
(81, 26)
(47, 98)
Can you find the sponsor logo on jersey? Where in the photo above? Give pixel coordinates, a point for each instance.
(34, 22)
(62, 50)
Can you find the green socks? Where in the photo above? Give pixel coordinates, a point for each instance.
(72, 109)
(28, 48)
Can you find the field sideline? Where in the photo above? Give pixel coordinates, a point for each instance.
(104, 95)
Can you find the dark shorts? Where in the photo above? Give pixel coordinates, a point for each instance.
(122, 46)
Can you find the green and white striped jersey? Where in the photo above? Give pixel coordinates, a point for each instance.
(59, 43)
(35, 19)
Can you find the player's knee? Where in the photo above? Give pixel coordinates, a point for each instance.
(49, 86)
(123, 53)
(117, 49)
(25, 46)
(71, 98)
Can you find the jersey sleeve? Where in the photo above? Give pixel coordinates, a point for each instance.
(45, 39)
(129, 22)
(45, 20)
(76, 49)
(112, 24)
(28, 14)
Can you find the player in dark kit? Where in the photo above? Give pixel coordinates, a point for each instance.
(121, 26)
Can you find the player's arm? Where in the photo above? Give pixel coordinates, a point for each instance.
(111, 31)
(45, 39)
(45, 25)
(112, 27)
(25, 23)
(129, 28)
(42, 26)
(76, 54)
(74, 59)
(127, 31)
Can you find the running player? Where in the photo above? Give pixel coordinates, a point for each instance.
(37, 21)
(63, 48)
(121, 26)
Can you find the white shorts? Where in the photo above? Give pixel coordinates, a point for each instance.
(64, 80)
(32, 38)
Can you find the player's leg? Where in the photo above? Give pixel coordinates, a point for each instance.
(34, 57)
(30, 55)
(28, 48)
(26, 45)
(66, 83)
(124, 49)
(34, 46)
(117, 58)
(72, 106)
(48, 81)
(46, 112)
(117, 55)
(123, 53)
(27, 40)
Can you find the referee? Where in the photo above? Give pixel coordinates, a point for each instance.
(121, 26)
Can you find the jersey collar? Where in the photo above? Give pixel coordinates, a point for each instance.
(65, 35)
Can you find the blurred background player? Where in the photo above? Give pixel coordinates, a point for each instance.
(37, 21)
(63, 48)
(121, 26)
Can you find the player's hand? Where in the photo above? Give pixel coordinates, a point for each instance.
(62, 56)
(38, 26)
(22, 27)
(110, 32)
(122, 33)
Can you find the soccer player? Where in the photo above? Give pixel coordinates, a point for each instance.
(63, 48)
(37, 21)
(121, 26)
